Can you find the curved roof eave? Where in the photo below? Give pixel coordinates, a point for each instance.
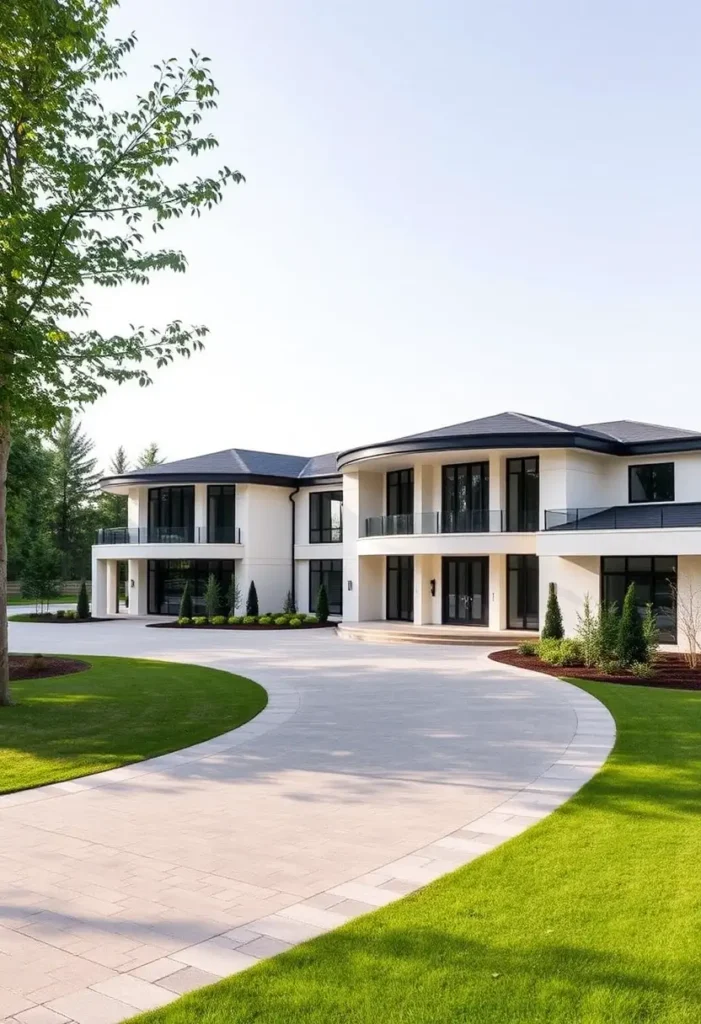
(156, 480)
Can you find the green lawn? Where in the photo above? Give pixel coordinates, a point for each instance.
(591, 917)
(62, 599)
(118, 711)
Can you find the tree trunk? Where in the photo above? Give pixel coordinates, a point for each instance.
(4, 652)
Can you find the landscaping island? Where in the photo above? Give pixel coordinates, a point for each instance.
(668, 670)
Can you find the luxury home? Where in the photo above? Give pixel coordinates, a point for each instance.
(464, 525)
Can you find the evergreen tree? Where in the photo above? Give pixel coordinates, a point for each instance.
(186, 601)
(608, 625)
(552, 628)
(289, 607)
(233, 596)
(113, 507)
(28, 484)
(41, 579)
(212, 596)
(631, 638)
(82, 610)
(74, 496)
(322, 604)
(150, 456)
(252, 600)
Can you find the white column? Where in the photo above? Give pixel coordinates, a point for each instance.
(99, 588)
(137, 586)
(111, 585)
(200, 513)
(497, 592)
(351, 526)
(424, 566)
(497, 485)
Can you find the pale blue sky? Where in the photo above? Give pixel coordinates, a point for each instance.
(451, 209)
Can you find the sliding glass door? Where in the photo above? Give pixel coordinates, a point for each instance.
(400, 587)
(522, 592)
(522, 494)
(466, 498)
(466, 591)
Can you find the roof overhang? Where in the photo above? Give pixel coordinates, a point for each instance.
(145, 479)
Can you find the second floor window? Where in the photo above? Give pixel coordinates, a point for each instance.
(466, 498)
(651, 482)
(221, 514)
(171, 513)
(522, 494)
(326, 517)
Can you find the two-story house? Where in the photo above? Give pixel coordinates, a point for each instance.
(464, 525)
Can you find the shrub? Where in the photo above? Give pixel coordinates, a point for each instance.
(186, 601)
(265, 620)
(218, 620)
(200, 620)
(571, 652)
(588, 633)
(235, 620)
(608, 625)
(184, 620)
(250, 620)
(281, 620)
(69, 614)
(60, 613)
(252, 601)
(233, 596)
(312, 620)
(83, 607)
(610, 666)
(295, 621)
(552, 628)
(289, 607)
(528, 647)
(642, 670)
(549, 650)
(212, 596)
(631, 641)
(651, 634)
(322, 604)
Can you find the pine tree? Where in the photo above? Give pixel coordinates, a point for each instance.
(186, 601)
(74, 496)
(252, 600)
(150, 456)
(322, 604)
(608, 626)
(233, 596)
(212, 596)
(552, 628)
(82, 610)
(289, 607)
(41, 580)
(113, 507)
(28, 494)
(631, 639)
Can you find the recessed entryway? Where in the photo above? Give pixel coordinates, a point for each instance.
(466, 591)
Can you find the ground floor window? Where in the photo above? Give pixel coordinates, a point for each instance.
(167, 578)
(654, 579)
(400, 587)
(328, 571)
(522, 592)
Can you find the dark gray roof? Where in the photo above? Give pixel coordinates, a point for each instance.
(629, 431)
(501, 423)
(239, 464)
(321, 465)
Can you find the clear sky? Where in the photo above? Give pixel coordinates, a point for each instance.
(452, 209)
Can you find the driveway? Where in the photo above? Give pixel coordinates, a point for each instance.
(373, 770)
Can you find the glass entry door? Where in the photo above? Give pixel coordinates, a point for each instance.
(400, 587)
(466, 591)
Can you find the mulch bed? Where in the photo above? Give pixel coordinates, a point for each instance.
(50, 617)
(253, 625)
(670, 671)
(39, 666)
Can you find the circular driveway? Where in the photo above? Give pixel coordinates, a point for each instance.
(374, 769)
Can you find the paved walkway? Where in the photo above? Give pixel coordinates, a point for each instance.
(373, 770)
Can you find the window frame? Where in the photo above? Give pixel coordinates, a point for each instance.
(320, 511)
(649, 465)
(212, 527)
(476, 520)
(522, 509)
(332, 565)
(627, 573)
(156, 503)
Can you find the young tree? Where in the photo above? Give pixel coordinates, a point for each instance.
(289, 607)
(186, 601)
(588, 633)
(233, 596)
(82, 610)
(687, 600)
(252, 600)
(78, 186)
(150, 456)
(41, 580)
(631, 640)
(113, 507)
(608, 627)
(74, 497)
(552, 627)
(212, 596)
(322, 604)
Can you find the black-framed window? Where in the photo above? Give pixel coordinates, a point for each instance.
(465, 498)
(328, 571)
(326, 517)
(221, 513)
(400, 587)
(167, 579)
(651, 482)
(171, 513)
(522, 494)
(655, 579)
(522, 600)
(400, 492)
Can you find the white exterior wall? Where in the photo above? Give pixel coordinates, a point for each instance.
(573, 578)
(267, 554)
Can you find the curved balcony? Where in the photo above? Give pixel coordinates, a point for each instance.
(477, 521)
(168, 535)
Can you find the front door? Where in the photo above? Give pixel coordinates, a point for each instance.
(466, 591)
(400, 587)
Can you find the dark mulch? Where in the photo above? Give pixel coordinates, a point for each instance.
(671, 671)
(39, 666)
(253, 625)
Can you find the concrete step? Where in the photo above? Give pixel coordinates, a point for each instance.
(457, 636)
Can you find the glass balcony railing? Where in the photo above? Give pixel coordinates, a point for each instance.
(625, 517)
(169, 535)
(477, 521)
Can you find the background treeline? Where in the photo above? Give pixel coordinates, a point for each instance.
(53, 499)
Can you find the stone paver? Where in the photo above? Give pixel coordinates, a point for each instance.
(373, 770)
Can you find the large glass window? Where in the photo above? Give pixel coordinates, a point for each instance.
(522, 494)
(171, 513)
(466, 498)
(654, 482)
(328, 571)
(167, 579)
(400, 501)
(400, 587)
(522, 592)
(326, 517)
(221, 514)
(654, 579)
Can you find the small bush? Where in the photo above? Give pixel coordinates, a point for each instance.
(36, 663)
(250, 620)
(529, 647)
(265, 620)
(69, 615)
(571, 652)
(642, 670)
(218, 620)
(281, 620)
(235, 620)
(552, 627)
(610, 667)
(200, 620)
(60, 614)
(549, 650)
(312, 620)
(83, 607)
(184, 620)
(295, 622)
